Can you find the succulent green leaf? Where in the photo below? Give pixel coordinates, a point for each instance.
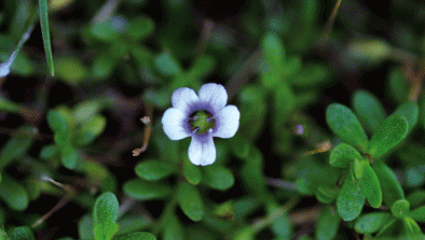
(191, 172)
(368, 182)
(369, 109)
(13, 193)
(327, 225)
(418, 214)
(327, 193)
(345, 125)
(391, 131)
(410, 111)
(190, 201)
(153, 170)
(411, 226)
(391, 188)
(105, 208)
(400, 208)
(416, 198)
(105, 230)
(21, 233)
(350, 200)
(342, 155)
(142, 190)
(217, 177)
(372, 222)
(173, 230)
(89, 130)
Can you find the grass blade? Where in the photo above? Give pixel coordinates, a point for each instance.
(44, 21)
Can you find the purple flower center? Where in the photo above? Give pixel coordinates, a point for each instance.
(201, 121)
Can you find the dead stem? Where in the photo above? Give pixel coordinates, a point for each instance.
(70, 193)
(147, 131)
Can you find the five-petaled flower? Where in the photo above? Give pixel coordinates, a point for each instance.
(202, 118)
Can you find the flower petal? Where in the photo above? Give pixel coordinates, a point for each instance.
(183, 98)
(202, 150)
(215, 94)
(173, 124)
(228, 122)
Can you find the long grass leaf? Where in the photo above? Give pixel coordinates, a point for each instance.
(44, 21)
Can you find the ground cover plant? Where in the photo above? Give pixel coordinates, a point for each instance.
(261, 119)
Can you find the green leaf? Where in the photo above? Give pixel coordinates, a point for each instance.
(13, 193)
(273, 50)
(391, 188)
(173, 230)
(105, 230)
(153, 170)
(190, 201)
(342, 155)
(105, 208)
(400, 208)
(104, 31)
(17, 145)
(21, 233)
(203, 65)
(350, 200)
(410, 111)
(217, 177)
(136, 236)
(167, 64)
(418, 214)
(89, 130)
(416, 198)
(368, 182)
(369, 109)
(45, 32)
(372, 222)
(140, 28)
(326, 193)
(345, 125)
(411, 227)
(392, 131)
(327, 224)
(71, 69)
(142, 190)
(9, 106)
(192, 173)
(105, 214)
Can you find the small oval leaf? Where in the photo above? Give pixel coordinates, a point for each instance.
(342, 155)
(392, 131)
(391, 188)
(190, 201)
(345, 125)
(350, 200)
(141, 190)
(372, 222)
(153, 170)
(369, 110)
(369, 183)
(217, 177)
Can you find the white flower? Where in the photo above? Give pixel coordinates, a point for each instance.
(202, 118)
